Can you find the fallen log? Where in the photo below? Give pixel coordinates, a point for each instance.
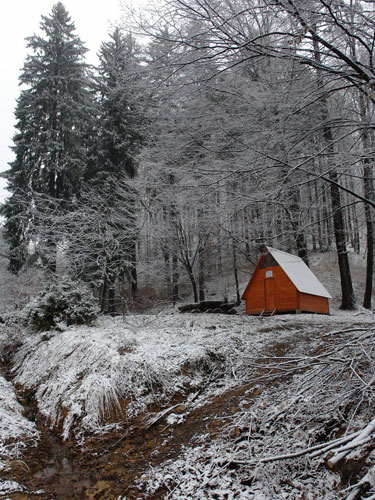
(217, 306)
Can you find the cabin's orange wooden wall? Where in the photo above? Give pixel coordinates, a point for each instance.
(287, 297)
(313, 303)
(285, 292)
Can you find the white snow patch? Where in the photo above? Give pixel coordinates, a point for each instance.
(9, 487)
(16, 431)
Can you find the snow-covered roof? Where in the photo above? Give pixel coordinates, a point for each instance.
(299, 274)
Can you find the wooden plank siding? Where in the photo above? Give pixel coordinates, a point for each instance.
(313, 303)
(285, 293)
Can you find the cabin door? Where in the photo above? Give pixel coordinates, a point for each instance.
(269, 294)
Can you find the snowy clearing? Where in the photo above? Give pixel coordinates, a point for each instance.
(82, 374)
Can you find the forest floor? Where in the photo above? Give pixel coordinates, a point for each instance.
(186, 406)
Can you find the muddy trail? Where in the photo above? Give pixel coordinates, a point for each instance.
(107, 468)
(110, 467)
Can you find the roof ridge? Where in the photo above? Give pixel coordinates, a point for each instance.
(286, 253)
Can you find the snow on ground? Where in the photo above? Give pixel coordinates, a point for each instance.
(207, 472)
(86, 380)
(231, 468)
(82, 376)
(16, 431)
(309, 434)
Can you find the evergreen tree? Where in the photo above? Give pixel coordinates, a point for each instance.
(53, 119)
(120, 103)
(120, 120)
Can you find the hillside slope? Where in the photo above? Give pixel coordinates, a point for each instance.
(194, 406)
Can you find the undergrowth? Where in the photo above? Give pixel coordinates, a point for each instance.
(306, 432)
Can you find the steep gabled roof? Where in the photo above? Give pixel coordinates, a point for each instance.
(298, 273)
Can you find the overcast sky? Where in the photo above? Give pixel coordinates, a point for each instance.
(21, 18)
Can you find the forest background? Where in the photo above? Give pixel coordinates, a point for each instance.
(208, 130)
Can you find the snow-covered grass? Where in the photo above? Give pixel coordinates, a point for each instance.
(91, 378)
(202, 473)
(306, 388)
(17, 432)
(9, 487)
(83, 376)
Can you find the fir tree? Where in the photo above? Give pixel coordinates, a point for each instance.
(53, 119)
(119, 89)
(120, 119)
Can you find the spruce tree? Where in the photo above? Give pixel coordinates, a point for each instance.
(119, 90)
(53, 119)
(120, 100)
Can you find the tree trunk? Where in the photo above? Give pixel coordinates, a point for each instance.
(194, 285)
(347, 292)
(235, 269)
(247, 233)
(201, 281)
(202, 244)
(133, 270)
(319, 219)
(103, 295)
(134, 282)
(370, 257)
(299, 235)
(167, 277)
(175, 278)
(165, 250)
(111, 298)
(368, 188)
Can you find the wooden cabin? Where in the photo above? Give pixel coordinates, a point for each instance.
(282, 282)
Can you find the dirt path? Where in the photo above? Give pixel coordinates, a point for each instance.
(108, 468)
